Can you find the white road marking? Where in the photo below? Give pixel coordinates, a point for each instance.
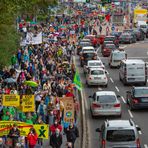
(137, 57)
(123, 99)
(147, 53)
(107, 72)
(131, 115)
(111, 80)
(117, 88)
(99, 88)
(145, 146)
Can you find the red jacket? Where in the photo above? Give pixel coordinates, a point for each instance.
(32, 139)
(53, 128)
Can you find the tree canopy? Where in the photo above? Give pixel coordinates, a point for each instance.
(9, 10)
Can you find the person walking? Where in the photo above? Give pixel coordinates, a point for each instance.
(56, 139)
(72, 133)
(14, 134)
(32, 138)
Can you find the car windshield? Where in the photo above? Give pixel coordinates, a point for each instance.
(110, 46)
(120, 135)
(143, 26)
(141, 92)
(88, 55)
(97, 72)
(106, 98)
(94, 64)
(84, 43)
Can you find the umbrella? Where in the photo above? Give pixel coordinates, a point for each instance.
(31, 83)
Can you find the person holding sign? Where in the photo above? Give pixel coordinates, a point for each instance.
(32, 138)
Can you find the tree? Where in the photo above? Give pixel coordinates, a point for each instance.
(9, 10)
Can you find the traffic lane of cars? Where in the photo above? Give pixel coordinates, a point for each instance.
(139, 116)
(95, 123)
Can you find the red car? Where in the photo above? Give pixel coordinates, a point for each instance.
(106, 51)
(95, 40)
(100, 39)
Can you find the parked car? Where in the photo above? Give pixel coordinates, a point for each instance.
(93, 64)
(139, 35)
(119, 134)
(107, 49)
(137, 98)
(116, 34)
(105, 103)
(106, 42)
(96, 76)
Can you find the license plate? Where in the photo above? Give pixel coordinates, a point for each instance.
(145, 100)
(131, 78)
(106, 106)
(97, 78)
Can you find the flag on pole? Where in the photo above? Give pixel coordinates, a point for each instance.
(77, 81)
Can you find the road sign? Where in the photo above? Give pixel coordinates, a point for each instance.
(113, 28)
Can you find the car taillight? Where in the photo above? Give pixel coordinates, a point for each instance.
(117, 105)
(135, 101)
(105, 78)
(103, 143)
(90, 78)
(94, 105)
(138, 143)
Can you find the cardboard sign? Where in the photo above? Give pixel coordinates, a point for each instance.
(11, 100)
(28, 104)
(68, 110)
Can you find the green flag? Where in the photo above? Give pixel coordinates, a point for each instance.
(77, 81)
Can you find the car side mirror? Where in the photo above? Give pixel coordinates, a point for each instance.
(98, 130)
(138, 128)
(118, 96)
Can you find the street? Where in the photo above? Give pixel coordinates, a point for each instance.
(138, 50)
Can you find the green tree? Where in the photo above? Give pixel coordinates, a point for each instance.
(9, 10)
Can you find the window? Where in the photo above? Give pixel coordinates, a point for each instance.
(141, 92)
(120, 135)
(106, 98)
(97, 72)
(94, 64)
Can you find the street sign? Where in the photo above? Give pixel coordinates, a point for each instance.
(113, 28)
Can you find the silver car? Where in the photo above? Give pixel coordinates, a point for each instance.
(105, 103)
(119, 134)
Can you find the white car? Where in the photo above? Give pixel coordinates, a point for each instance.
(93, 64)
(105, 103)
(96, 76)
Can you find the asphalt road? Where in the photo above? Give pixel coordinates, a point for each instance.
(137, 50)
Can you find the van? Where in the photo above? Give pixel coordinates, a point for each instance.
(133, 71)
(115, 58)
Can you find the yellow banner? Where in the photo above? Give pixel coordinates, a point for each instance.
(11, 100)
(28, 104)
(41, 129)
(140, 11)
(68, 109)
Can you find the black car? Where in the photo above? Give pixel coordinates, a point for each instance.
(137, 98)
(139, 35)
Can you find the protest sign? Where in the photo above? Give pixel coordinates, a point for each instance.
(11, 100)
(68, 109)
(28, 104)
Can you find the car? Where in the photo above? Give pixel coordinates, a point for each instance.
(119, 134)
(93, 64)
(81, 45)
(137, 98)
(100, 38)
(94, 40)
(144, 28)
(87, 48)
(106, 42)
(116, 34)
(105, 103)
(86, 56)
(112, 38)
(127, 38)
(106, 51)
(96, 76)
(139, 35)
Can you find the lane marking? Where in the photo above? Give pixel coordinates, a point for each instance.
(123, 99)
(145, 146)
(130, 113)
(111, 80)
(107, 72)
(137, 57)
(99, 88)
(117, 88)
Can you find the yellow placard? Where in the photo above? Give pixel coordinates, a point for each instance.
(42, 130)
(68, 109)
(140, 11)
(28, 104)
(11, 100)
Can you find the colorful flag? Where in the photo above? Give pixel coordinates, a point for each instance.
(77, 81)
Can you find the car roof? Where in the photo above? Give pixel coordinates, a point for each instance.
(108, 41)
(138, 87)
(84, 40)
(118, 51)
(110, 44)
(119, 123)
(88, 47)
(98, 93)
(94, 61)
(136, 61)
